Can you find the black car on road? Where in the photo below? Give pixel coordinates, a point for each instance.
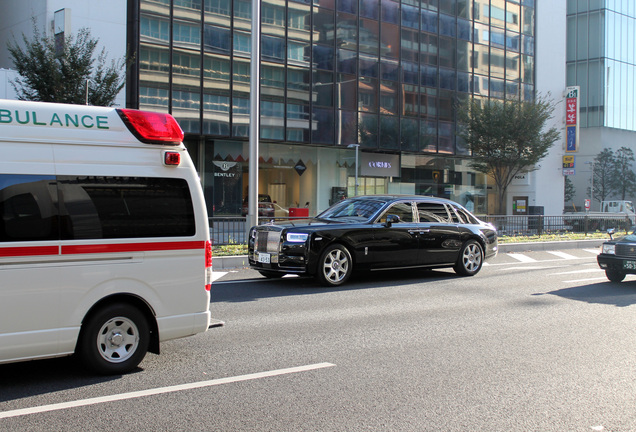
(618, 256)
(375, 232)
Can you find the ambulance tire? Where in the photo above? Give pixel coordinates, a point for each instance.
(114, 339)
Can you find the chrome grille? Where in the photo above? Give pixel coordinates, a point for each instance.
(267, 241)
(626, 250)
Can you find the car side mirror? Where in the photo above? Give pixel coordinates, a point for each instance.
(391, 219)
(610, 232)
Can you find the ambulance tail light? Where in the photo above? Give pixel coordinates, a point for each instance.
(208, 265)
(172, 158)
(152, 127)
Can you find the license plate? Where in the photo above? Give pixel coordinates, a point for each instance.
(630, 265)
(264, 258)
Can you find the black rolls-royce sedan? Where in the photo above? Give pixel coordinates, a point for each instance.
(375, 232)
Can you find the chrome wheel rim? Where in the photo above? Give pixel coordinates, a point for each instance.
(118, 340)
(335, 266)
(472, 257)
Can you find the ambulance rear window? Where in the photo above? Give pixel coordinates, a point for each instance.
(125, 207)
(38, 208)
(27, 210)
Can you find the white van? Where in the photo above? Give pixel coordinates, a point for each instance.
(104, 241)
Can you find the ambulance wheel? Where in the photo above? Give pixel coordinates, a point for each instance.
(114, 339)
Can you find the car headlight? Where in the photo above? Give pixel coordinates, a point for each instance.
(297, 237)
(609, 249)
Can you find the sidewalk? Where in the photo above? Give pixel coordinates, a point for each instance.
(235, 262)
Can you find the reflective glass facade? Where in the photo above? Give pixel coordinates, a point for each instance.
(384, 74)
(601, 59)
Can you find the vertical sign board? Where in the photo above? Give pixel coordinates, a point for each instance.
(568, 165)
(572, 119)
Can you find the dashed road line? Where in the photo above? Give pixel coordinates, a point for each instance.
(563, 255)
(521, 257)
(593, 251)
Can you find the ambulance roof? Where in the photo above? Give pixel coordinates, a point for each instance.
(24, 121)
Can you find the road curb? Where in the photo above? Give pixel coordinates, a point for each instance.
(240, 261)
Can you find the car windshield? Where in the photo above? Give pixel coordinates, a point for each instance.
(352, 208)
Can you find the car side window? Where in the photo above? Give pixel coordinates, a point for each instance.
(455, 218)
(27, 208)
(403, 210)
(467, 217)
(432, 212)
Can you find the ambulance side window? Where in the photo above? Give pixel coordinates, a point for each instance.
(125, 207)
(27, 208)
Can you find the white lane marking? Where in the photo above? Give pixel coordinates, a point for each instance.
(217, 275)
(593, 251)
(160, 390)
(592, 270)
(528, 268)
(563, 255)
(584, 280)
(521, 257)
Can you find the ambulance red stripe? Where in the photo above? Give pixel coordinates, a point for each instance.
(25, 251)
(131, 247)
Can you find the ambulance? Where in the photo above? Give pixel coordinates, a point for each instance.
(104, 241)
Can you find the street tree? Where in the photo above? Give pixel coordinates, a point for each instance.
(603, 177)
(65, 73)
(506, 138)
(568, 189)
(623, 177)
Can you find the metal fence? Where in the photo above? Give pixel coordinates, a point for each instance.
(233, 230)
(538, 225)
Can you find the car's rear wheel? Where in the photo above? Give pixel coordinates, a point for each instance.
(114, 339)
(614, 275)
(335, 266)
(470, 259)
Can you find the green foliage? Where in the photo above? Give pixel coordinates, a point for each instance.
(506, 138)
(51, 76)
(603, 166)
(569, 190)
(623, 177)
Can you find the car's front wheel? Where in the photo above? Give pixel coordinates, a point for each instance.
(114, 339)
(335, 266)
(470, 259)
(614, 275)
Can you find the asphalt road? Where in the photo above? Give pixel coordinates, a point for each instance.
(538, 341)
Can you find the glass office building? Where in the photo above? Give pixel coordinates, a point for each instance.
(382, 74)
(601, 59)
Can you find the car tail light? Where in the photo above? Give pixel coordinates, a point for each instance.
(208, 265)
(151, 127)
(172, 158)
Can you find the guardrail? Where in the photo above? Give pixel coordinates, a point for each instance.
(233, 230)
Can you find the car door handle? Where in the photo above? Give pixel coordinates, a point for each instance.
(419, 231)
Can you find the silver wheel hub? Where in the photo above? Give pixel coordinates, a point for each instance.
(118, 339)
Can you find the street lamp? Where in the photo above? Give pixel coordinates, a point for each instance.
(356, 146)
(87, 81)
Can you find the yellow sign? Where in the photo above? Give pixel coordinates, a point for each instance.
(568, 161)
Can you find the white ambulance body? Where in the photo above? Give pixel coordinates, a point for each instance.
(104, 239)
